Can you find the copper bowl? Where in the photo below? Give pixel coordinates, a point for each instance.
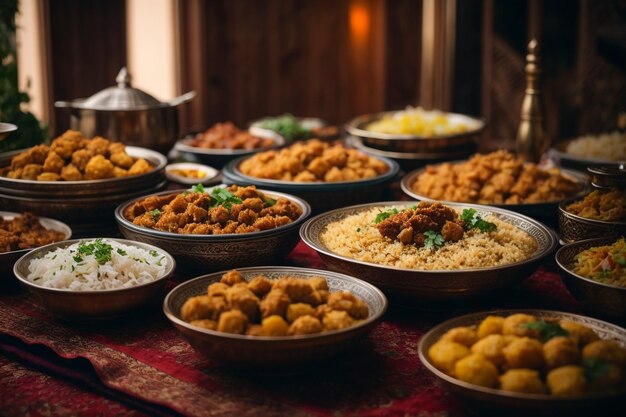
(7, 259)
(322, 196)
(270, 352)
(92, 305)
(424, 287)
(602, 298)
(573, 228)
(507, 403)
(216, 252)
(547, 209)
(414, 143)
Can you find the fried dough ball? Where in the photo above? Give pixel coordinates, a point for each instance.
(31, 171)
(98, 145)
(274, 325)
(606, 350)
(241, 298)
(48, 176)
(296, 310)
(475, 369)
(232, 277)
(71, 173)
(116, 147)
(119, 172)
(21, 160)
(81, 157)
(560, 351)
(490, 325)
(463, 335)
(217, 289)
(445, 355)
(63, 147)
(514, 325)
(260, 285)
(122, 159)
(583, 334)
(38, 154)
(233, 321)
(321, 310)
(491, 347)
(566, 380)
(141, 166)
(524, 353)
(305, 325)
(254, 330)
(346, 301)
(275, 303)
(318, 283)
(205, 324)
(98, 168)
(522, 380)
(297, 289)
(202, 307)
(337, 320)
(54, 163)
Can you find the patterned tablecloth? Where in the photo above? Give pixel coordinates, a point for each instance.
(140, 365)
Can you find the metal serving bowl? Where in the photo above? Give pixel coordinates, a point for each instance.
(219, 157)
(573, 228)
(7, 259)
(270, 352)
(544, 210)
(435, 286)
(603, 298)
(413, 143)
(322, 196)
(559, 155)
(92, 305)
(508, 403)
(215, 252)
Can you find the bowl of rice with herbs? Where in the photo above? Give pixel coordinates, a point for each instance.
(91, 279)
(430, 251)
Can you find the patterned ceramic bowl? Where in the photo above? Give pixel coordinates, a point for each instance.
(271, 352)
(428, 287)
(603, 298)
(502, 402)
(215, 252)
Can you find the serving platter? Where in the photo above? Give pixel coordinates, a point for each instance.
(567, 160)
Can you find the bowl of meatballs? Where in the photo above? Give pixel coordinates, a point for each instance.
(78, 180)
(529, 361)
(273, 317)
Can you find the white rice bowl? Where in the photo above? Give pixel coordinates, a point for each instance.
(66, 268)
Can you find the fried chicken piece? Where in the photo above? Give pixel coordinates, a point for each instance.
(38, 154)
(452, 231)
(233, 321)
(21, 160)
(305, 325)
(346, 301)
(48, 176)
(275, 303)
(141, 166)
(203, 307)
(53, 163)
(98, 168)
(63, 147)
(122, 160)
(71, 173)
(260, 285)
(232, 277)
(337, 320)
(31, 172)
(80, 158)
(98, 146)
(241, 298)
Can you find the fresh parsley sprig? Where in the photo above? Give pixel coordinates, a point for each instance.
(594, 368)
(100, 250)
(223, 197)
(474, 221)
(433, 240)
(385, 215)
(546, 330)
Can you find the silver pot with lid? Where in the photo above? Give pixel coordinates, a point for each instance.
(128, 115)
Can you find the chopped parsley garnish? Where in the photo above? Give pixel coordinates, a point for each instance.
(270, 202)
(433, 240)
(619, 259)
(154, 253)
(121, 251)
(223, 197)
(546, 330)
(77, 258)
(413, 207)
(474, 221)
(159, 262)
(156, 213)
(198, 188)
(101, 251)
(594, 368)
(385, 215)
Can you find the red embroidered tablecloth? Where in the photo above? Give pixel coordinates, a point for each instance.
(140, 365)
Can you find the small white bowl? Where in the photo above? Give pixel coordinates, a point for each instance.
(209, 174)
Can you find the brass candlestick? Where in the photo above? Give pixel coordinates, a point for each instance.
(531, 141)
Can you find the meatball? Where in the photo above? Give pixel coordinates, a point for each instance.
(296, 310)
(490, 325)
(337, 320)
(274, 326)
(561, 351)
(232, 277)
(607, 350)
(202, 307)
(452, 232)
(305, 325)
(260, 285)
(141, 166)
(522, 380)
(524, 353)
(80, 158)
(444, 355)
(515, 325)
(71, 173)
(233, 321)
(463, 335)
(241, 298)
(475, 369)
(566, 380)
(491, 347)
(346, 301)
(98, 168)
(122, 159)
(583, 334)
(53, 163)
(205, 324)
(275, 303)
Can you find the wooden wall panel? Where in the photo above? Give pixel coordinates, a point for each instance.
(88, 43)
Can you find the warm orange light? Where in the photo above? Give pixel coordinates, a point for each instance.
(359, 21)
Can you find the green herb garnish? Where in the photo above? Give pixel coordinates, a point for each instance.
(433, 240)
(594, 368)
(198, 188)
(223, 197)
(270, 202)
(547, 330)
(101, 251)
(153, 253)
(287, 126)
(358, 229)
(77, 258)
(160, 260)
(473, 220)
(385, 215)
(121, 251)
(156, 213)
(619, 259)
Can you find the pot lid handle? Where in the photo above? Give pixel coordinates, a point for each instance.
(123, 78)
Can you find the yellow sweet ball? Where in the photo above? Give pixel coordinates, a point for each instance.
(490, 325)
(444, 355)
(527, 381)
(475, 369)
(566, 380)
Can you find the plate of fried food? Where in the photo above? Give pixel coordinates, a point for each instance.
(498, 179)
(529, 362)
(273, 316)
